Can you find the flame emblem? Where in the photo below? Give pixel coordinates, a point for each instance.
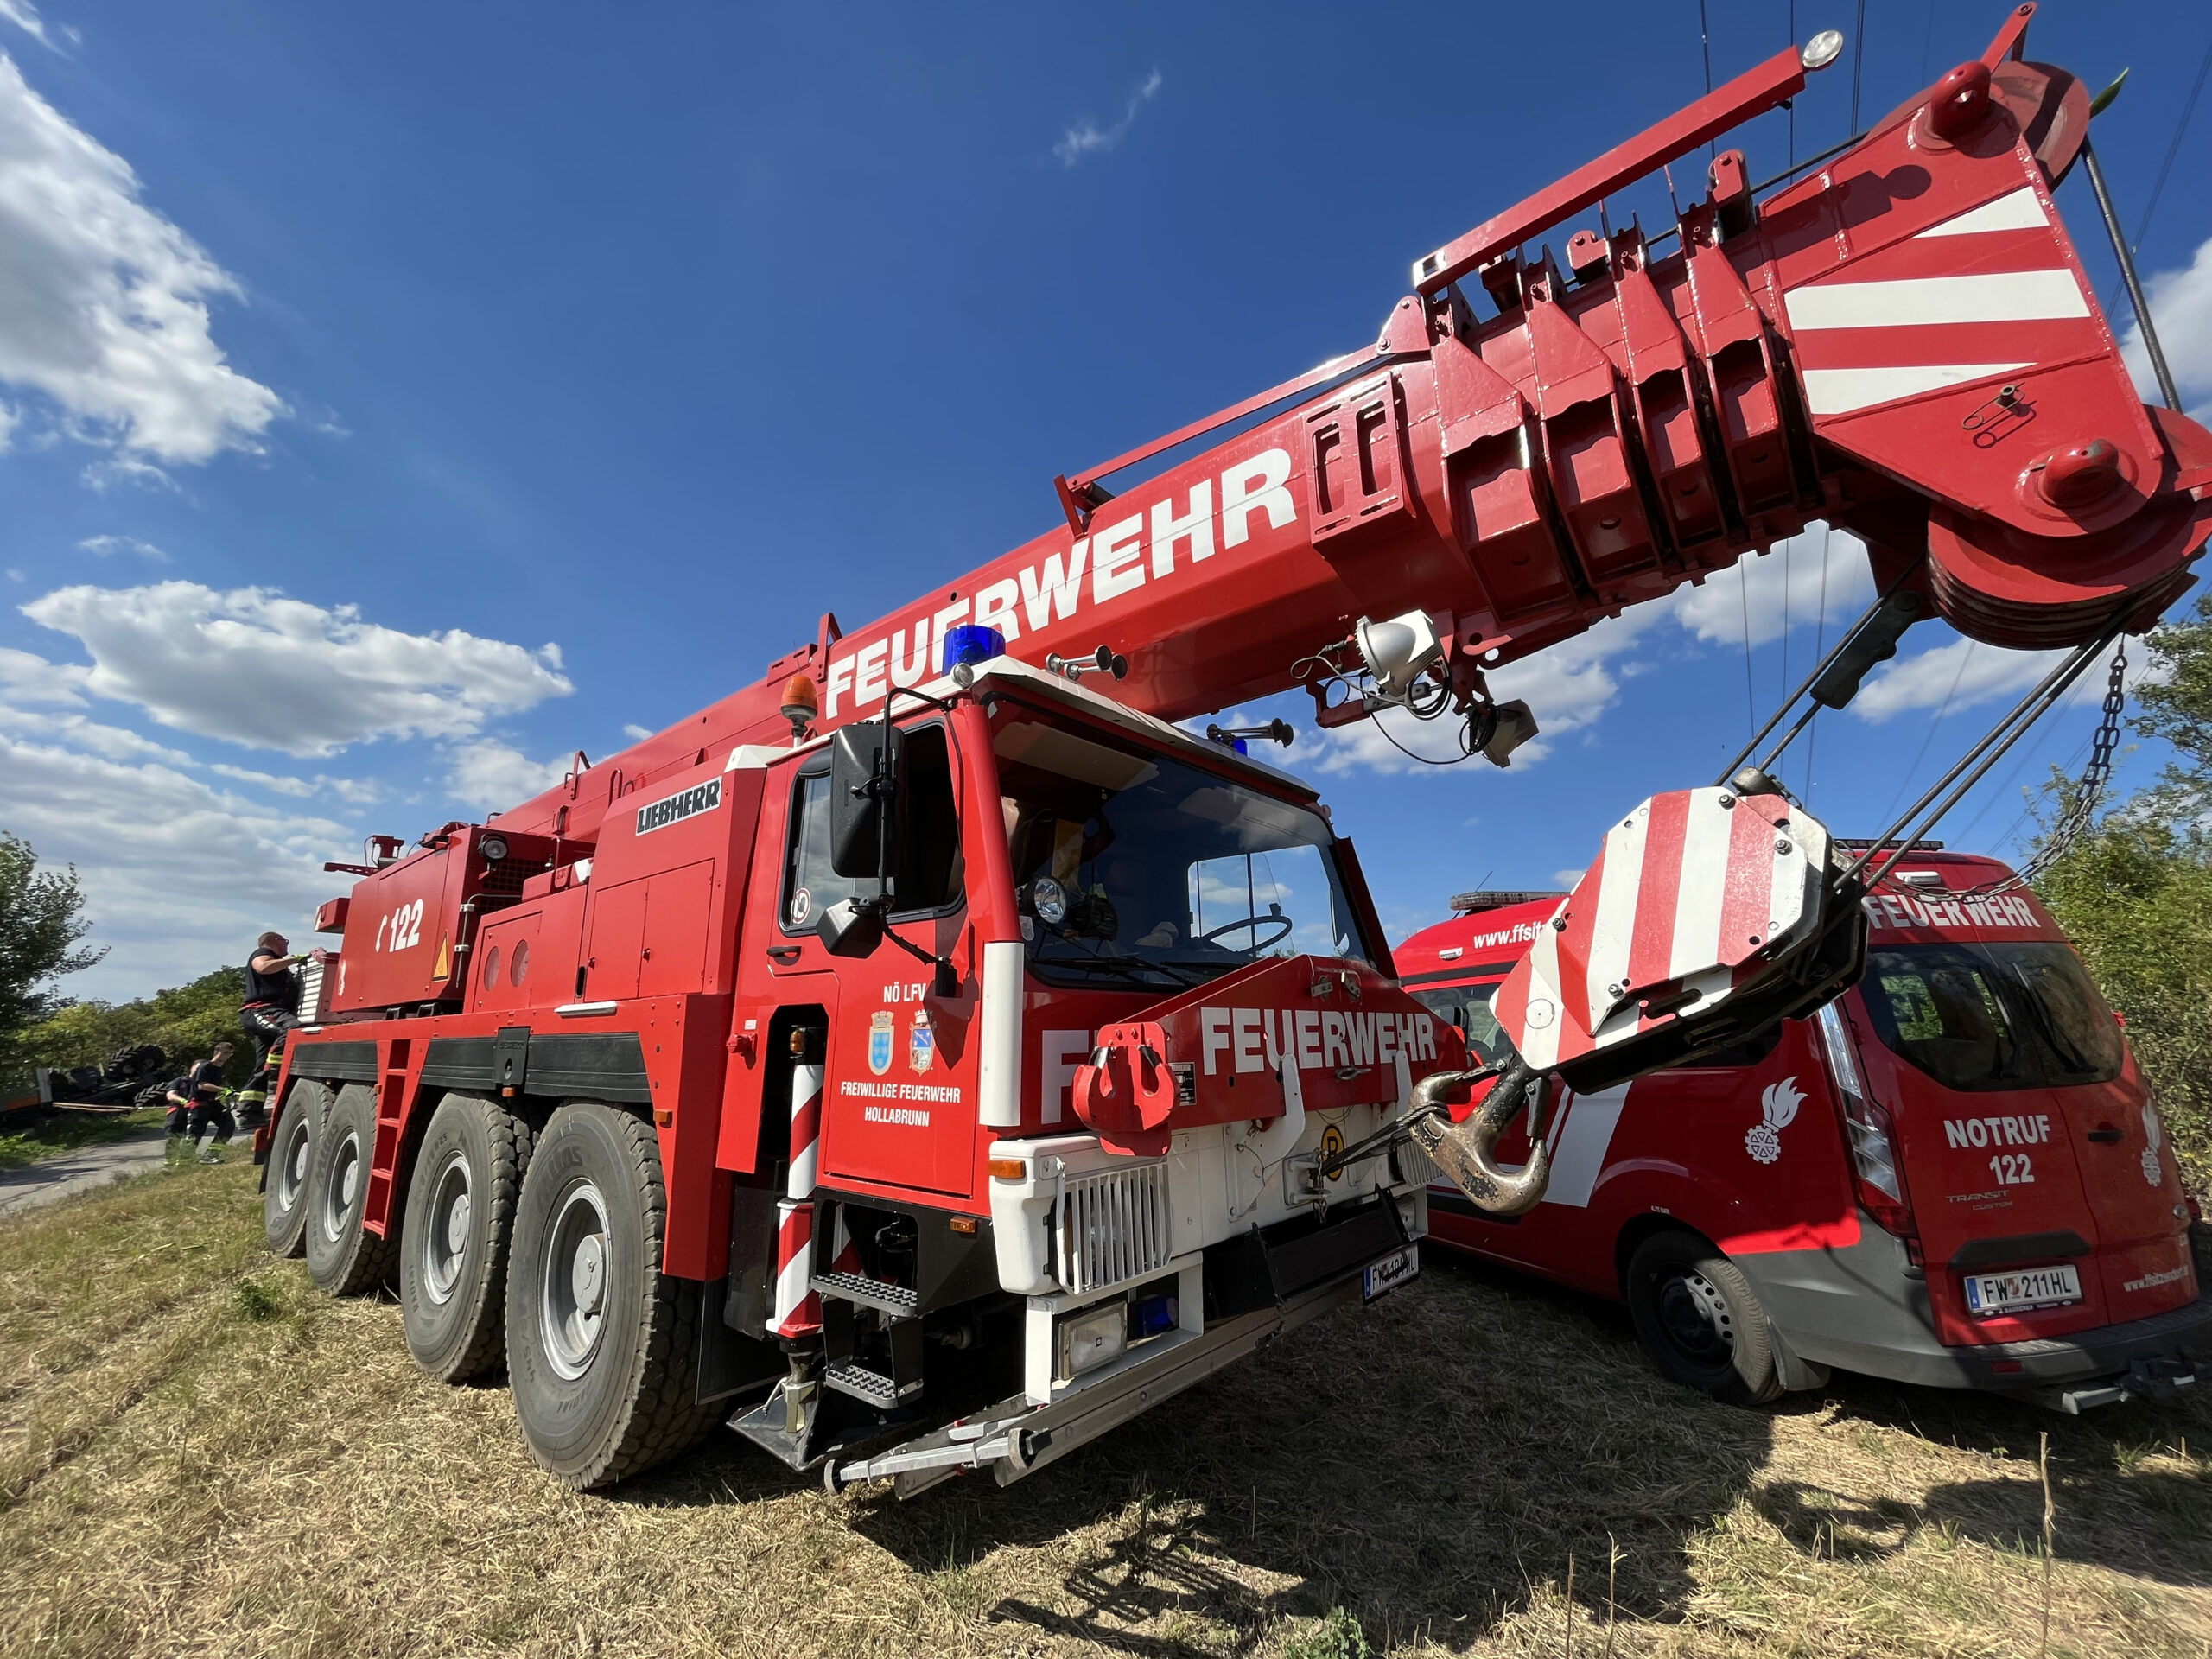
(1778, 1106)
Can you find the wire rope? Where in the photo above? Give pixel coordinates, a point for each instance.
(1905, 782)
(2181, 130)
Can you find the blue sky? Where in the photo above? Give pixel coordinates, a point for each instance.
(398, 400)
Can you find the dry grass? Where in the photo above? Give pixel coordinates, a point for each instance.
(200, 1454)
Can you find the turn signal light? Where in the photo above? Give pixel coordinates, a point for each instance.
(1008, 1169)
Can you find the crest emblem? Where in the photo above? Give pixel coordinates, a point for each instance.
(1778, 1111)
(2152, 1134)
(881, 1035)
(921, 1042)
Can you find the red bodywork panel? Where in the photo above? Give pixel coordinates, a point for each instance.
(1342, 1028)
(1678, 1145)
(406, 924)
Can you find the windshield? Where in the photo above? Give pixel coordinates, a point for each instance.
(1467, 1006)
(1986, 1017)
(1136, 868)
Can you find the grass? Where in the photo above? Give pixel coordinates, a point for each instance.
(66, 1131)
(200, 1453)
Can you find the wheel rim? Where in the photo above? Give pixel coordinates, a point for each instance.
(572, 1289)
(445, 1240)
(1697, 1318)
(343, 1187)
(292, 1165)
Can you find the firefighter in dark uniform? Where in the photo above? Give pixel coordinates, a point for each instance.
(271, 1008)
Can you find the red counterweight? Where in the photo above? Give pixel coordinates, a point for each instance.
(425, 910)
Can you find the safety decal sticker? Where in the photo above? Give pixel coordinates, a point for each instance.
(1778, 1107)
(1332, 1143)
(882, 1033)
(2151, 1133)
(802, 906)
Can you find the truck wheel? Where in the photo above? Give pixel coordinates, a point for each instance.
(601, 1346)
(1698, 1319)
(292, 1159)
(460, 1211)
(343, 1256)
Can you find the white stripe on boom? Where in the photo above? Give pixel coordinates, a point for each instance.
(1837, 391)
(1990, 296)
(2021, 211)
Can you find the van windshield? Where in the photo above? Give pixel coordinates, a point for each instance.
(1132, 868)
(1978, 1018)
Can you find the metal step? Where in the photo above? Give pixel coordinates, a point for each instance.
(871, 1386)
(895, 1299)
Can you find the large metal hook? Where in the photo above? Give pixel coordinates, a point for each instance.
(1462, 1151)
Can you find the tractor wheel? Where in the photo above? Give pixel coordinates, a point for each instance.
(292, 1159)
(343, 1256)
(1699, 1320)
(460, 1212)
(603, 1348)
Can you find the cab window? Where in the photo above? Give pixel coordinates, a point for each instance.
(926, 871)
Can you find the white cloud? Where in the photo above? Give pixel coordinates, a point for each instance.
(637, 734)
(1783, 586)
(104, 303)
(491, 776)
(1567, 878)
(24, 15)
(28, 677)
(2181, 303)
(256, 668)
(104, 545)
(1087, 137)
(1966, 673)
(178, 877)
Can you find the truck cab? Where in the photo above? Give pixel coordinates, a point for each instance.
(1955, 1174)
(889, 1195)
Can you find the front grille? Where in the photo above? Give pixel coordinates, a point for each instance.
(1112, 1227)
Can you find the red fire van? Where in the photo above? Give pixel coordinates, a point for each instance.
(1954, 1175)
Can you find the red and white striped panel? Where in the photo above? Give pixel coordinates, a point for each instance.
(1987, 293)
(1692, 891)
(799, 1310)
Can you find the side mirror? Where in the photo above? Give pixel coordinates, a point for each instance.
(851, 927)
(865, 762)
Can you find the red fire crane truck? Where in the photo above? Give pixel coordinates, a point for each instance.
(929, 1056)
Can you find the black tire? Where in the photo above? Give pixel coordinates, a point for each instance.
(1699, 1320)
(600, 1398)
(343, 1256)
(291, 1162)
(453, 1259)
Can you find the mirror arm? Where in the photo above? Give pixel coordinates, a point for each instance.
(945, 982)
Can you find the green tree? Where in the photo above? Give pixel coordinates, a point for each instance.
(41, 921)
(2135, 894)
(186, 1022)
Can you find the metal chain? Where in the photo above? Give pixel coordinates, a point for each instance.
(2088, 790)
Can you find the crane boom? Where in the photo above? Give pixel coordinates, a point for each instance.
(1904, 343)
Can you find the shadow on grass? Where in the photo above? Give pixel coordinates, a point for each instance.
(1422, 1462)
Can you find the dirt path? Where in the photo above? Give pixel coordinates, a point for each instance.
(86, 1169)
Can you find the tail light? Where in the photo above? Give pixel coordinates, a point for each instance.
(1868, 1129)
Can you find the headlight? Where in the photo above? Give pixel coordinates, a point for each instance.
(1049, 900)
(1092, 1339)
(494, 847)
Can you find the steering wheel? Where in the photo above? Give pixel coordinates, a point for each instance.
(1283, 922)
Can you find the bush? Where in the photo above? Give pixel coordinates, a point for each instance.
(186, 1021)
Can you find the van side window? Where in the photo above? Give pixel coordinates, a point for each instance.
(927, 871)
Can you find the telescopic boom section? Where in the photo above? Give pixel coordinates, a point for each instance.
(1905, 343)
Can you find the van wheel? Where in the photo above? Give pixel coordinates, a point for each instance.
(603, 1348)
(292, 1159)
(343, 1256)
(1698, 1319)
(460, 1210)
